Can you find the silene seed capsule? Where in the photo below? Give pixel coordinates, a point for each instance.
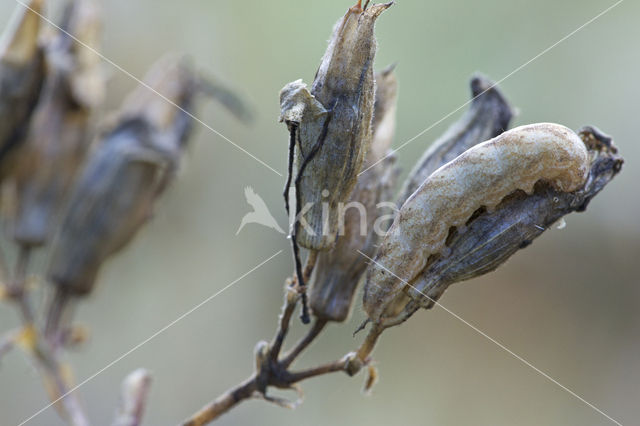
(21, 75)
(331, 125)
(338, 271)
(479, 178)
(58, 137)
(131, 165)
(134, 160)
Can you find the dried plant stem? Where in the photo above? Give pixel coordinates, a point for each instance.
(7, 342)
(303, 343)
(42, 352)
(273, 371)
(223, 403)
(365, 350)
(330, 367)
(52, 374)
(17, 290)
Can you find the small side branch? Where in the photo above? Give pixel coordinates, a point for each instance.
(291, 300)
(133, 398)
(273, 370)
(332, 367)
(311, 335)
(42, 353)
(223, 403)
(7, 342)
(17, 289)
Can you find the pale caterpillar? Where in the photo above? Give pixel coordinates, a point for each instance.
(480, 177)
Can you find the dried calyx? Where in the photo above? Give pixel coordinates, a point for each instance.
(330, 130)
(338, 271)
(493, 233)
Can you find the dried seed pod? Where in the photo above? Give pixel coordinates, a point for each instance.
(113, 198)
(339, 270)
(21, 76)
(487, 117)
(491, 238)
(173, 78)
(481, 177)
(59, 133)
(131, 165)
(331, 125)
(133, 162)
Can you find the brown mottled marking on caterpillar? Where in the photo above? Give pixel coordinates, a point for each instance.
(481, 176)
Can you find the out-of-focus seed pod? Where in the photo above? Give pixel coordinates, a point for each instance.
(21, 76)
(331, 125)
(114, 196)
(491, 238)
(59, 133)
(339, 270)
(133, 162)
(481, 177)
(172, 77)
(487, 117)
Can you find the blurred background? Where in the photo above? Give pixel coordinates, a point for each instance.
(569, 304)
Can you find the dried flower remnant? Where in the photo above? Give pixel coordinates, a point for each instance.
(21, 76)
(58, 137)
(331, 127)
(339, 270)
(487, 117)
(132, 164)
(481, 177)
(491, 238)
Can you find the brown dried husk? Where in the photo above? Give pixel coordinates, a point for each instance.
(338, 271)
(337, 114)
(59, 134)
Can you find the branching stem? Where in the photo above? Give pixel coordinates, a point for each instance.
(273, 371)
(42, 352)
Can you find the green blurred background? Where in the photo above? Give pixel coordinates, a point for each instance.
(569, 304)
